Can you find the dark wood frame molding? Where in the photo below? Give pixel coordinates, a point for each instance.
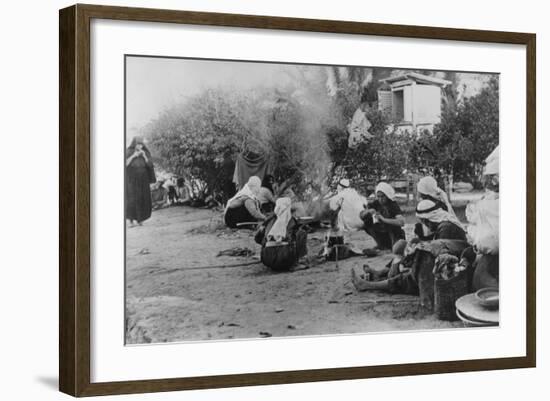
(74, 199)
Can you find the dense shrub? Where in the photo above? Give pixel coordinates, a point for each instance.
(467, 134)
(302, 130)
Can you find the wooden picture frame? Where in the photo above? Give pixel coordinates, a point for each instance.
(75, 208)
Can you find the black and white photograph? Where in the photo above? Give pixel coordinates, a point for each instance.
(268, 199)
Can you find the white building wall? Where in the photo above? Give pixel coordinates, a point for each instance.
(427, 104)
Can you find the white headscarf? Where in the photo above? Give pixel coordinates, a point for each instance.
(386, 189)
(428, 210)
(250, 190)
(428, 186)
(343, 184)
(283, 213)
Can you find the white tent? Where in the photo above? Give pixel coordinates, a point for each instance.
(492, 162)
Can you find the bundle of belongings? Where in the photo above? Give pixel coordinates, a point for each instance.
(452, 280)
(283, 239)
(447, 266)
(422, 262)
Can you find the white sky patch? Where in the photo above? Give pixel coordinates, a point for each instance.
(157, 83)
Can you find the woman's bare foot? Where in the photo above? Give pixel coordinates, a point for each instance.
(373, 275)
(360, 283)
(367, 269)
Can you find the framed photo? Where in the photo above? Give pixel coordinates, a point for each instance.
(250, 200)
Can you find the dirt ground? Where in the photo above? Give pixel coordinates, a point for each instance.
(178, 289)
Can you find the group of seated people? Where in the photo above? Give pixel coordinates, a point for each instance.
(170, 191)
(283, 238)
(438, 232)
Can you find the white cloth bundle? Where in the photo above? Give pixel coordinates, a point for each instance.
(283, 213)
(483, 230)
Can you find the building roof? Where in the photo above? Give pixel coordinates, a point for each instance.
(416, 77)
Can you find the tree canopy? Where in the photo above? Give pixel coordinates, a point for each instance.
(302, 130)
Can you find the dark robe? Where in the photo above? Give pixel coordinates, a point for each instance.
(139, 174)
(385, 235)
(285, 255)
(444, 230)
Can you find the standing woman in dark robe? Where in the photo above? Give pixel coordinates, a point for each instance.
(139, 174)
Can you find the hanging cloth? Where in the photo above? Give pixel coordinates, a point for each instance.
(249, 164)
(358, 128)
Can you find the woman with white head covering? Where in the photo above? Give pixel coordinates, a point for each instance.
(244, 207)
(284, 214)
(427, 189)
(347, 203)
(283, 240)
(440, 224)
(383, 219)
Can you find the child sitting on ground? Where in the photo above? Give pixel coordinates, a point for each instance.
(394, 277)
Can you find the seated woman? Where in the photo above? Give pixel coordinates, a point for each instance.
(282, 239)
(383, 219)
(159, 195)
(265, 197)
(244, 206)
(428, 190)
(439, 223)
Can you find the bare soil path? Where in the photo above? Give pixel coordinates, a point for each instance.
(178, 289)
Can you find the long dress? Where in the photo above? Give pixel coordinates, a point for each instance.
(139, 175)
(282, 256)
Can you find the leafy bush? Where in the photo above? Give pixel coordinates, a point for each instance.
(199, 140)
(385, 156)
(466, 135)
(302, 130)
